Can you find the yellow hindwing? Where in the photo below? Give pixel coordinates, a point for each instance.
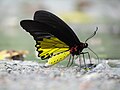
(57, 58)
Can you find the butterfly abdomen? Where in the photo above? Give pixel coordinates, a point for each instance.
(57, 58)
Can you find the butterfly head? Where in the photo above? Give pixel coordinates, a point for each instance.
(85, 45)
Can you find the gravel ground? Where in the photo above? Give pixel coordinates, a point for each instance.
(28, 75)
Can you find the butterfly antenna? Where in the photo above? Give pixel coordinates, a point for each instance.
(92, 35)
(94, 53)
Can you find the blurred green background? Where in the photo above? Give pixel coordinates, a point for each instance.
(81, 15)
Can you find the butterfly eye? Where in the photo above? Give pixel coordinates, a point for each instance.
(85, 45)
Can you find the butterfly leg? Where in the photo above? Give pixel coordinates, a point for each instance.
(71, 61)
(84, 60)
(68, 61)
(87, 66)
(88, 56)
(79, 62)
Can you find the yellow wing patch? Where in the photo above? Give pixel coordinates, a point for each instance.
(57, 58)
(49, 47)
(52, 42)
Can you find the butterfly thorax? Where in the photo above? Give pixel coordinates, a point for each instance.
(77, 49)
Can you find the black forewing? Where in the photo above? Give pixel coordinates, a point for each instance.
(36, 29)
(57, 27)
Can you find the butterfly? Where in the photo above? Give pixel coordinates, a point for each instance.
(55, 40)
